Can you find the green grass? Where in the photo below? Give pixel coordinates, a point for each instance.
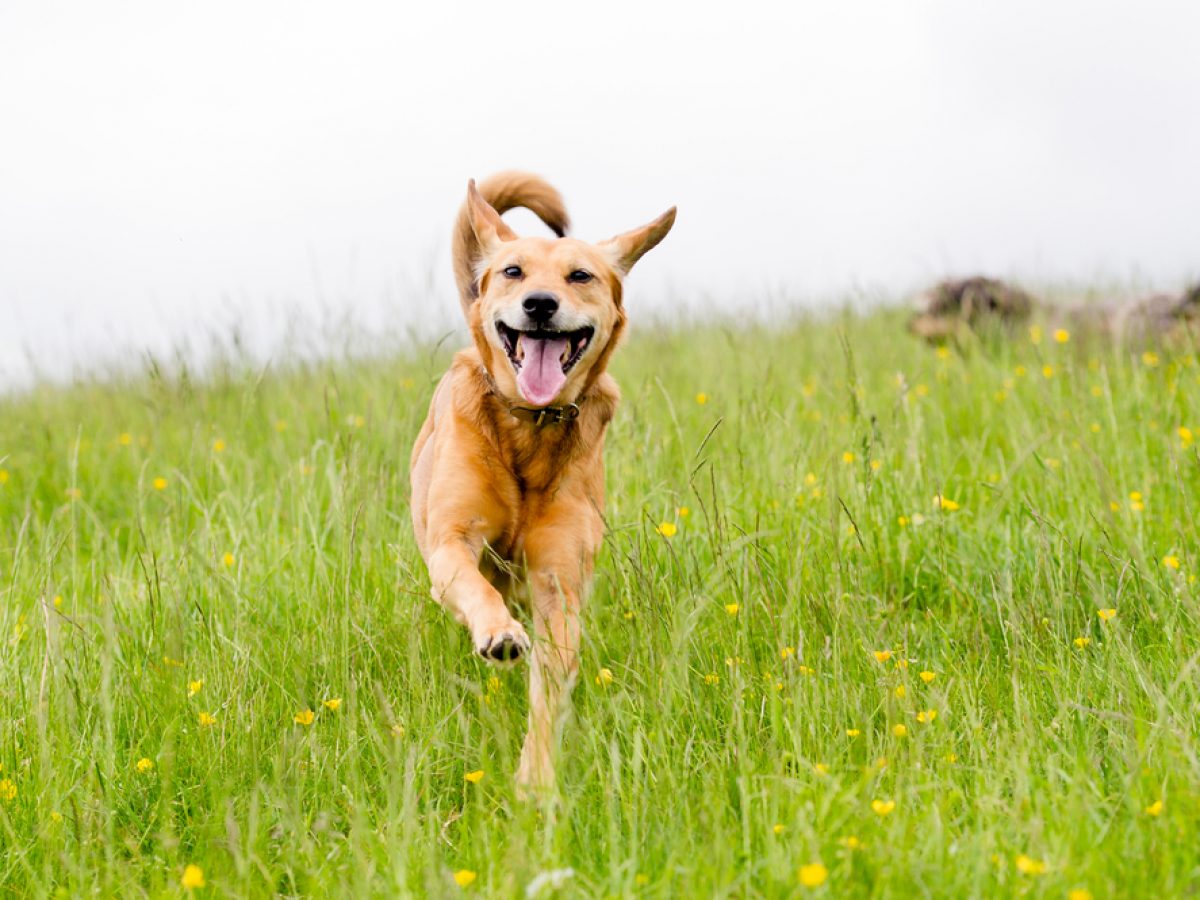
(698, 770)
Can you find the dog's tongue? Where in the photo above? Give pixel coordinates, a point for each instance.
(541, 376)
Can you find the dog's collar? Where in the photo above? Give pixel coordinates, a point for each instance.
(545, 415)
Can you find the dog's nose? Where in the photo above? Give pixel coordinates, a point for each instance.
(541, 307)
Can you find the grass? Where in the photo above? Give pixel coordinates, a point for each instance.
(751, 720)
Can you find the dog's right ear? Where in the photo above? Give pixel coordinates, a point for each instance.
(489, 228)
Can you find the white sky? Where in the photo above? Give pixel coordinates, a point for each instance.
(169, 168)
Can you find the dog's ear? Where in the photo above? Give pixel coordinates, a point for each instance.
(489, 228)
(626, 249)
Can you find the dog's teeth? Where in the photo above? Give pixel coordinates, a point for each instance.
(566, 354)
(520, 348)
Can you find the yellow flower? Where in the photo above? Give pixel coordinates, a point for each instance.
(304, 717)
(667, 529)
(1171, 562)
(604, 677)
(951, 758)
(193, 877)
(145, 765)
(853, 732)
(702, 398)
(160, 484)
(940, 502)
(1150, 359)
(227, 560)
(3, 476)
(779, 829)
(821, 768)
(1185, 435)
(641, 880)
(850, 842)
(195, 686)
(813, 875)
(280, 425)
(1082, 642)
(876, 465)
(900, 730)
(732, 608)
(1106, 614)
(56, 817)
(806, 670)
(464, 878)
(218, 446)
(928, 676)
(902, 521)
(58, 601)
(1061, 335)
(1155, 809)
(786, 652)
(333, 703)
(901, 691)
(474, 777)
(1047, 371)
(810, 479)
(8, 790)
(1027, 865)
(926, 716)
(398, 730)
(848, 457)
(125, 439)
(683, 512)
(1019, 371)
(882, 807)
(883, 655)
(206, 720)
(942, 352)
(1079, 894)
(712, 678)
(1035, 334)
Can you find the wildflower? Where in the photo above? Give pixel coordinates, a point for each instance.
(881, 763)
(218, 446)
(883, 655)
(641, 880)
(173, 663)
(951, 758)
(683, 512)
(58, 601)
(928, 676)
(667, 529)
(280, 426)
(193, 877)
(900, 691)
(56, 817)
(304, 717)
(853, 732)
(1155, 809)
(160, 484)
(1047, 371)
(1097, 391)
(821, 768)
(850, 842)
(942, 352)
(1150, 359)
(206, 720)
(917, 520)
(195, 686)
(1079, 894)
(848, 457)
(1061, 335)
(702, 398)
(227, 560)
(876, 465)
(712, 678)
(125, 439)
(926, 716)
(882, 807)
(332, 704)
(813, 875)
(900, 730)
(398, 730)
(807, 671)
(1082, 642)
(464, 878)
(902, 521)
(779, 829)
(940, 502)
(1035, 334)
(8, 790)
(732, 608)
(921, 390)
(1027, 865)
(1106, 614)
(1020, 371)
(1171, 562)
(1094, 428)
(474, 777)
(786, 652)
(810, 479)
(356, 421)
(604, 677)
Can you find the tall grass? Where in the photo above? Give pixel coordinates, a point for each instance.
(239, 547)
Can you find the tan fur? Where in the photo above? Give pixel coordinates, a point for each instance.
(505, 509)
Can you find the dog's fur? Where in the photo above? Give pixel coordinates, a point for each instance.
(976, 303)
(504, 507)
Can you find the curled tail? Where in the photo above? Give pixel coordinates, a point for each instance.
(503, 191)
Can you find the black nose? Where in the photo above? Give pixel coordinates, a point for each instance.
(541, 307)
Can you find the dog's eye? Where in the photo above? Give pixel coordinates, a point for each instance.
(513, 272)
(579, 277)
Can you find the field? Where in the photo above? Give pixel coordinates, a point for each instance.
(872, 620)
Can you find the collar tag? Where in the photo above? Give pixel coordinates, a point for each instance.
(546, 415)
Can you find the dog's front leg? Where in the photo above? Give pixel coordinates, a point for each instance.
(556, 590)
(458, 585)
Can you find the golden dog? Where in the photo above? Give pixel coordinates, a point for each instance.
(508, 469)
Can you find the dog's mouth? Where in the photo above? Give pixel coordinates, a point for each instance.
(542, 359)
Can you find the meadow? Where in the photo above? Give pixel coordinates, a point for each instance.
(872, 620)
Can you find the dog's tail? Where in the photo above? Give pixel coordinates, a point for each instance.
(504, 191)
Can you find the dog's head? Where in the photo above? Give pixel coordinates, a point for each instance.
(549, 311)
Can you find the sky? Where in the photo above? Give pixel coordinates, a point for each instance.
(170, 171)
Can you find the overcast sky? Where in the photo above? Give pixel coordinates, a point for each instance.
(169, 168)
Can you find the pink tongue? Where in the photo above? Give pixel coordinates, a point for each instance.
(541, 376)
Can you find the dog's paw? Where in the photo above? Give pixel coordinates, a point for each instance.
(503, 644)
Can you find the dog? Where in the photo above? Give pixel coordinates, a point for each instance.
(507, 472)
(977, 303)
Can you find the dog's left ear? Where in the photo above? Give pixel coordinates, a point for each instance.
(626, 249)
(489, 228)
